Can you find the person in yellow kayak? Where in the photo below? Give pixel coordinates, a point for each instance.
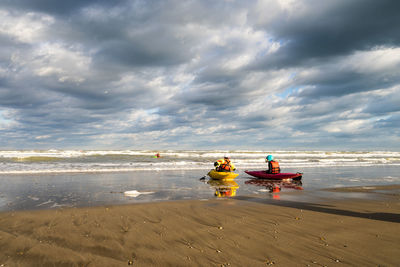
(273, 166)
(224, 165)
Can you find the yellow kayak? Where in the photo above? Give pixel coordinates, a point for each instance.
(222, 175)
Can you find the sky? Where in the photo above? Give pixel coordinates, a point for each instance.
(172, 74)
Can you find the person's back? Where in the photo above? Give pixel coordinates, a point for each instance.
(273, 166)
(224, 165)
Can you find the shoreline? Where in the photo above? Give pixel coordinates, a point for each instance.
(241, 231)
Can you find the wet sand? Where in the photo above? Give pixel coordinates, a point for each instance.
(241, 231)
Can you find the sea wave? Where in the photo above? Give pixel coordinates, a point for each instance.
(67, 161)
(196, 153)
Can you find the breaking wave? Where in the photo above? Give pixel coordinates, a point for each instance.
(60, 161)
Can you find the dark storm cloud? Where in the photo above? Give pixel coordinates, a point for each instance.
(392, 122)
(330, 29)
(219, 93)
(10, 97)
(384, 104)
(56, 7)
(141, 52)
(338, 84)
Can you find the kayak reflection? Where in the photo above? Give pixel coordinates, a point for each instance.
(275, 186)
(223, 188)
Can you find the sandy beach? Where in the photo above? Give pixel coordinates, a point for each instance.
(242, 231)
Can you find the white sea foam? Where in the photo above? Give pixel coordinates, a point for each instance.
(263, 190)
(45, 203)
(135, 193)
(58, 161)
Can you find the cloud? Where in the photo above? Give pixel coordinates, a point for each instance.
(314, 30)
(199, 74)
(384, 102)
(52, 7)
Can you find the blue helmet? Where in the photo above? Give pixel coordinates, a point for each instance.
(270, 157)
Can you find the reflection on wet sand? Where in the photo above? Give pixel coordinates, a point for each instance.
(223, 188)
(275, 186)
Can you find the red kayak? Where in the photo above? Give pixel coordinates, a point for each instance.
(278, 176)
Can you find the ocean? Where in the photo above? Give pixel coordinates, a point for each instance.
(67, 161)
(46, 179)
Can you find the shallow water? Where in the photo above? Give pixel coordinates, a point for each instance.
(54, 190)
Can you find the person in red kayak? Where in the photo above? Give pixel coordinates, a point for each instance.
(273, 166)
(224, 165)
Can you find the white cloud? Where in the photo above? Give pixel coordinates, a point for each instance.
(6, 121)
(24, 27)
(381, 59)
(54, 59)
(141, 116)
(347, 126)
(42, 137)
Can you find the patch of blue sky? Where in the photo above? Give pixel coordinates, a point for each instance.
(152, 110)
(183, 87)
(271, 41)
(379, 118)
(3, 120)
(292, 75)
(289, 91)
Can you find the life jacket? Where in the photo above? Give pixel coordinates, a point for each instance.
(274, 167)
(224, 166)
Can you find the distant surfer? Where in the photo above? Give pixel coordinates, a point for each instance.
(224, 165)
(273, 166)
(157, 155)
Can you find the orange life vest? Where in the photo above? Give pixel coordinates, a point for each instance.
(274, 167)
(225, 166)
